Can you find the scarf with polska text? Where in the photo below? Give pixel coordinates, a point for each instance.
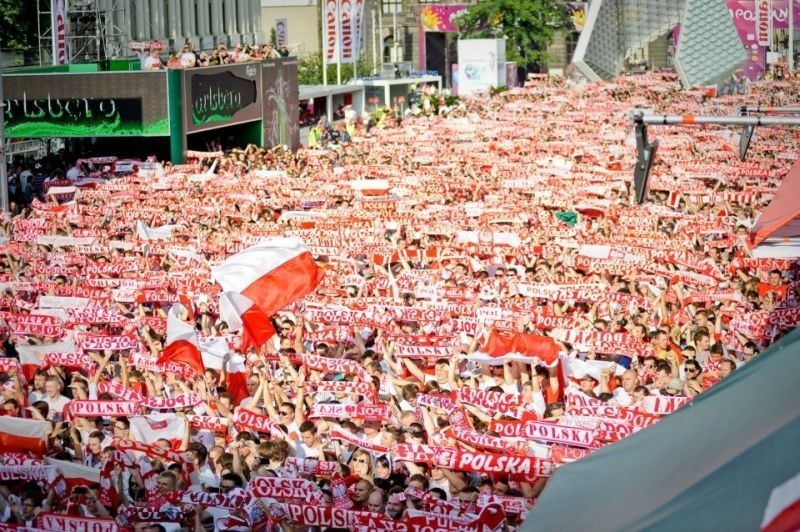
(293, 467)
(373, 412)
(366, 389)
(508, 404)
(245, 419)
(286, 488)
(337, 434)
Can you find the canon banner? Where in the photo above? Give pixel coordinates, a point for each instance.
(330, 30)
(342, 25)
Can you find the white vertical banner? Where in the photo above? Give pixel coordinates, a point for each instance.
(763, 16)
(59, 21)
(281, 32)
(347, 30)
(331, 45)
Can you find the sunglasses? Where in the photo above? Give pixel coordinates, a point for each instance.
(360, 460)
(693, 370)
(285, 413)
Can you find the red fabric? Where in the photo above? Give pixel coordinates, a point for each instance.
(501, 343)
(786, 521)
(292, 280)
(236, 383)
(185, 352)
(256, 328)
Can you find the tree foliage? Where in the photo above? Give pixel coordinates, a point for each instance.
(18, 25)
(527, 25)
(309, 70)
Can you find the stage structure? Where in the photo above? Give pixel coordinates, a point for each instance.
(707, 48)
(97, 30)
(253, 102)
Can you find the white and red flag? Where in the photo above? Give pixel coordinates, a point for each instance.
(525, 347)
(241, 314)
(149, 429)
(23, 435)
(75, 475)
(783, 508)
(213, 351)
(272, 274)
(32, 356)
(182, 343)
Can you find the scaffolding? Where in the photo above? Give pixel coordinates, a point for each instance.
(94, 30)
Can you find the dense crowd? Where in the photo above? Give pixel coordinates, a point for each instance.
(188, 57)
(494, 305)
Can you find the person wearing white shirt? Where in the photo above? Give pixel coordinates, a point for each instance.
(153, 61)
(55, 401)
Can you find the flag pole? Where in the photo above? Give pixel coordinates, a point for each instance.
(324, 45)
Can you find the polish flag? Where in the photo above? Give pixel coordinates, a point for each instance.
(75, 474)
(371, 187)
(783, 508)
(577, 369)
(272, 274)
(524, 347)
(182, 344)
(149, 429)
(23, 435)
(213, 351)
(155, 233)
(32, 356)
(241, 314)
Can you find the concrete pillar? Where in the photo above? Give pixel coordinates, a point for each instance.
(216, 18)
(188, 18)
(141, 19)
(174, 29)
(229, 12)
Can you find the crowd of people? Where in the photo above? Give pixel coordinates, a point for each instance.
(188, 57)
(494, 305)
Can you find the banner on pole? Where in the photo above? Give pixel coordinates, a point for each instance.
(59, 32)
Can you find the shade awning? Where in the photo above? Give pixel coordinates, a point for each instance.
(780, 219)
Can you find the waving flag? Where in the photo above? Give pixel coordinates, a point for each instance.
(783, 507)
(272, 274)
(213, 351)
(502, 346)
(23, 435)
(31, 357)
(182, 344)
(241, 314)
(149, 429)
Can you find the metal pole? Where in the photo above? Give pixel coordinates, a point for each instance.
(676, 120)
(791, 35)
(374, 41)
(324, 42)
(776, 110)
(3, 169)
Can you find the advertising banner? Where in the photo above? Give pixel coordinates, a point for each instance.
(95, 104)
(280, 103)
(59, 31)
(481, 65)
(440, 17)
(281, 32)
(331, 38)
(221, 96)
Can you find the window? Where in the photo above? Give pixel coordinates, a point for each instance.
(390, 7)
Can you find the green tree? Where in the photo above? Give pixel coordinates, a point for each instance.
(18, 25)
(527, 25)
(309, 70)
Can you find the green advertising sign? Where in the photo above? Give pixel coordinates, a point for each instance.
(221, 96)
(85, 105)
